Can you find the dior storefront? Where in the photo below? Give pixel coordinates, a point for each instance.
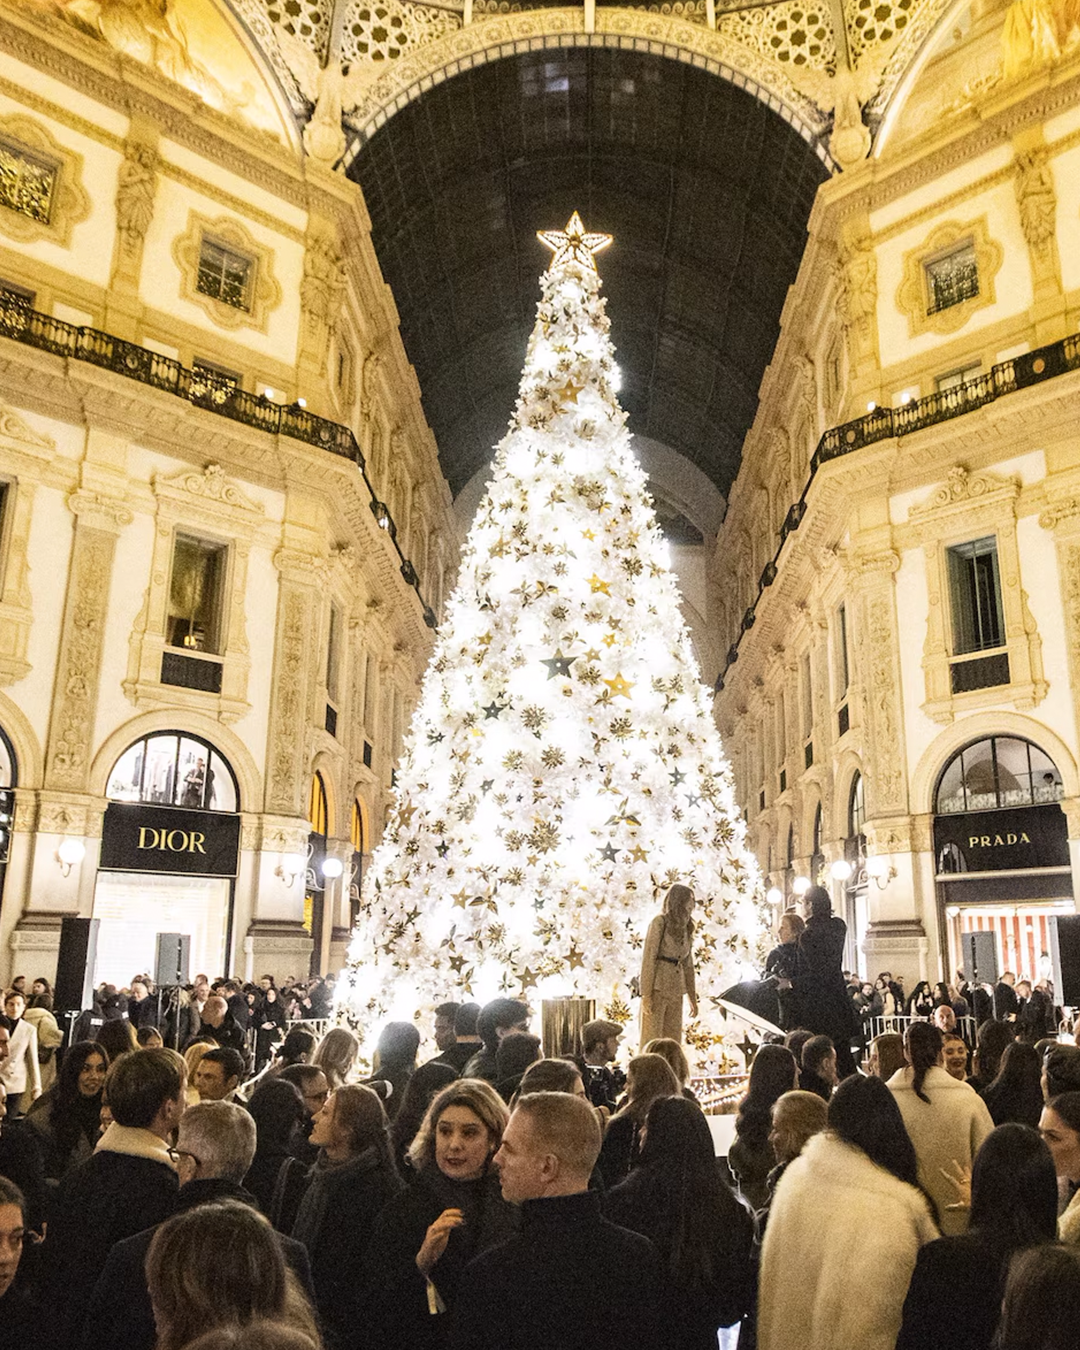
(170, 848)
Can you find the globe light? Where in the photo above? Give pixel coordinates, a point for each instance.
(800, 885)
(331, 868)
(841, 869)
(774, 895)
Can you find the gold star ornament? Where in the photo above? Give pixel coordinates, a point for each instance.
(574, 244)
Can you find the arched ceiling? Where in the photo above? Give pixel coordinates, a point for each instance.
(706, 190)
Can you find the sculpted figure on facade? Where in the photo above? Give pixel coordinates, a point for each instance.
(136, 186)
(859, 294)
(1036, 34)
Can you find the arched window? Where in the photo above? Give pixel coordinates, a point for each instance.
(173, 768)
(317, 810)
(856, 808)
(997, 772)
(817, 858)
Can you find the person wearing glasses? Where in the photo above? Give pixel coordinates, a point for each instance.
(214, 1148)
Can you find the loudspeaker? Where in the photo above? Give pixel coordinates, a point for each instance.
(1064, 933)
(74, 989)
(978, 957)
(171, 957)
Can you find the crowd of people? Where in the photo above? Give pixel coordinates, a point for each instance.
(492, 1198)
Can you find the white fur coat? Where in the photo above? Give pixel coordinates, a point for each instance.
(841, 1243)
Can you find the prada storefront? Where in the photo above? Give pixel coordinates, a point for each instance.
(1002, 852)
(170, 847)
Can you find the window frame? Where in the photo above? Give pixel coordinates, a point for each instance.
(223, 549)
(211, 241)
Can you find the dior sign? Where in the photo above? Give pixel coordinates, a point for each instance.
(140, 838)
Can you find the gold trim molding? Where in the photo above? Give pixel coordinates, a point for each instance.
(265, 290)
(912, 298)
(70, 202)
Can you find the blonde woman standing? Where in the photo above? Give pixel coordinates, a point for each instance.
(667, 968)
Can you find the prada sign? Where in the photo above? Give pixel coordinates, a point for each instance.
(140, 838)
(997, 841)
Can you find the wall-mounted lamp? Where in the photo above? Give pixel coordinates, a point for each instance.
(68, 853)
(290, 866)
(880, 869)
(841, 869)
(774, 895)
(332, 868)
(800, 885)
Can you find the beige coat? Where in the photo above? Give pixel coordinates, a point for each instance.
(1069, 1222)
(946, 1131)
(840, 1246)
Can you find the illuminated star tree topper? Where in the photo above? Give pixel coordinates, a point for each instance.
(563, 767)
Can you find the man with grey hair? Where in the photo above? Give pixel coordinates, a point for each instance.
(214, 1149)
(570, 1278)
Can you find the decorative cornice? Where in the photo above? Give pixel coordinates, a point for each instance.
(962, 487)
(98, 511)
(16, 432)
(211, 486)
(1065, 508)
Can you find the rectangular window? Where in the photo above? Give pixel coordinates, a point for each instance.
(975, 594)
(955, 379)
(951, 278)
(27, 183)
(807, 698)
(219, 375)
(843, 668)
(12, 293)
(196, 592)
(333, 653)
(225, 274)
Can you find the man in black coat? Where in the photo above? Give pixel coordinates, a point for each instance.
(219, 1025)
(128, 1183)
(1006, 1003)
(214, 1150)
(825, 1006)
(570, 1280)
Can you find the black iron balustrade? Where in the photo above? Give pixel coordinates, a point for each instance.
(205, 390)
(883, 424)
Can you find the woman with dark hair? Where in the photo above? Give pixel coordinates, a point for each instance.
(428, 1080)
(351, 1183)
(1016, 1092)
(921, 1002)
(220, 1265)
(117, 1038)
(277, 1178)
(751, 1158)
(845, 1229)
(946, 1120)
(66, 1119)
(1059, 1126)
(395, 1062)
(675, 1197)
(991, 1041)
(270, 1022)
(1041, 1310)
(956, 1290)
(425, 1237)
(647, 1078)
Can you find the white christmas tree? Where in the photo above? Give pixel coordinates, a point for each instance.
(563, 767)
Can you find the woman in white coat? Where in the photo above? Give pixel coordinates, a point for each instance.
(946, 1119)
(845, 1228)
